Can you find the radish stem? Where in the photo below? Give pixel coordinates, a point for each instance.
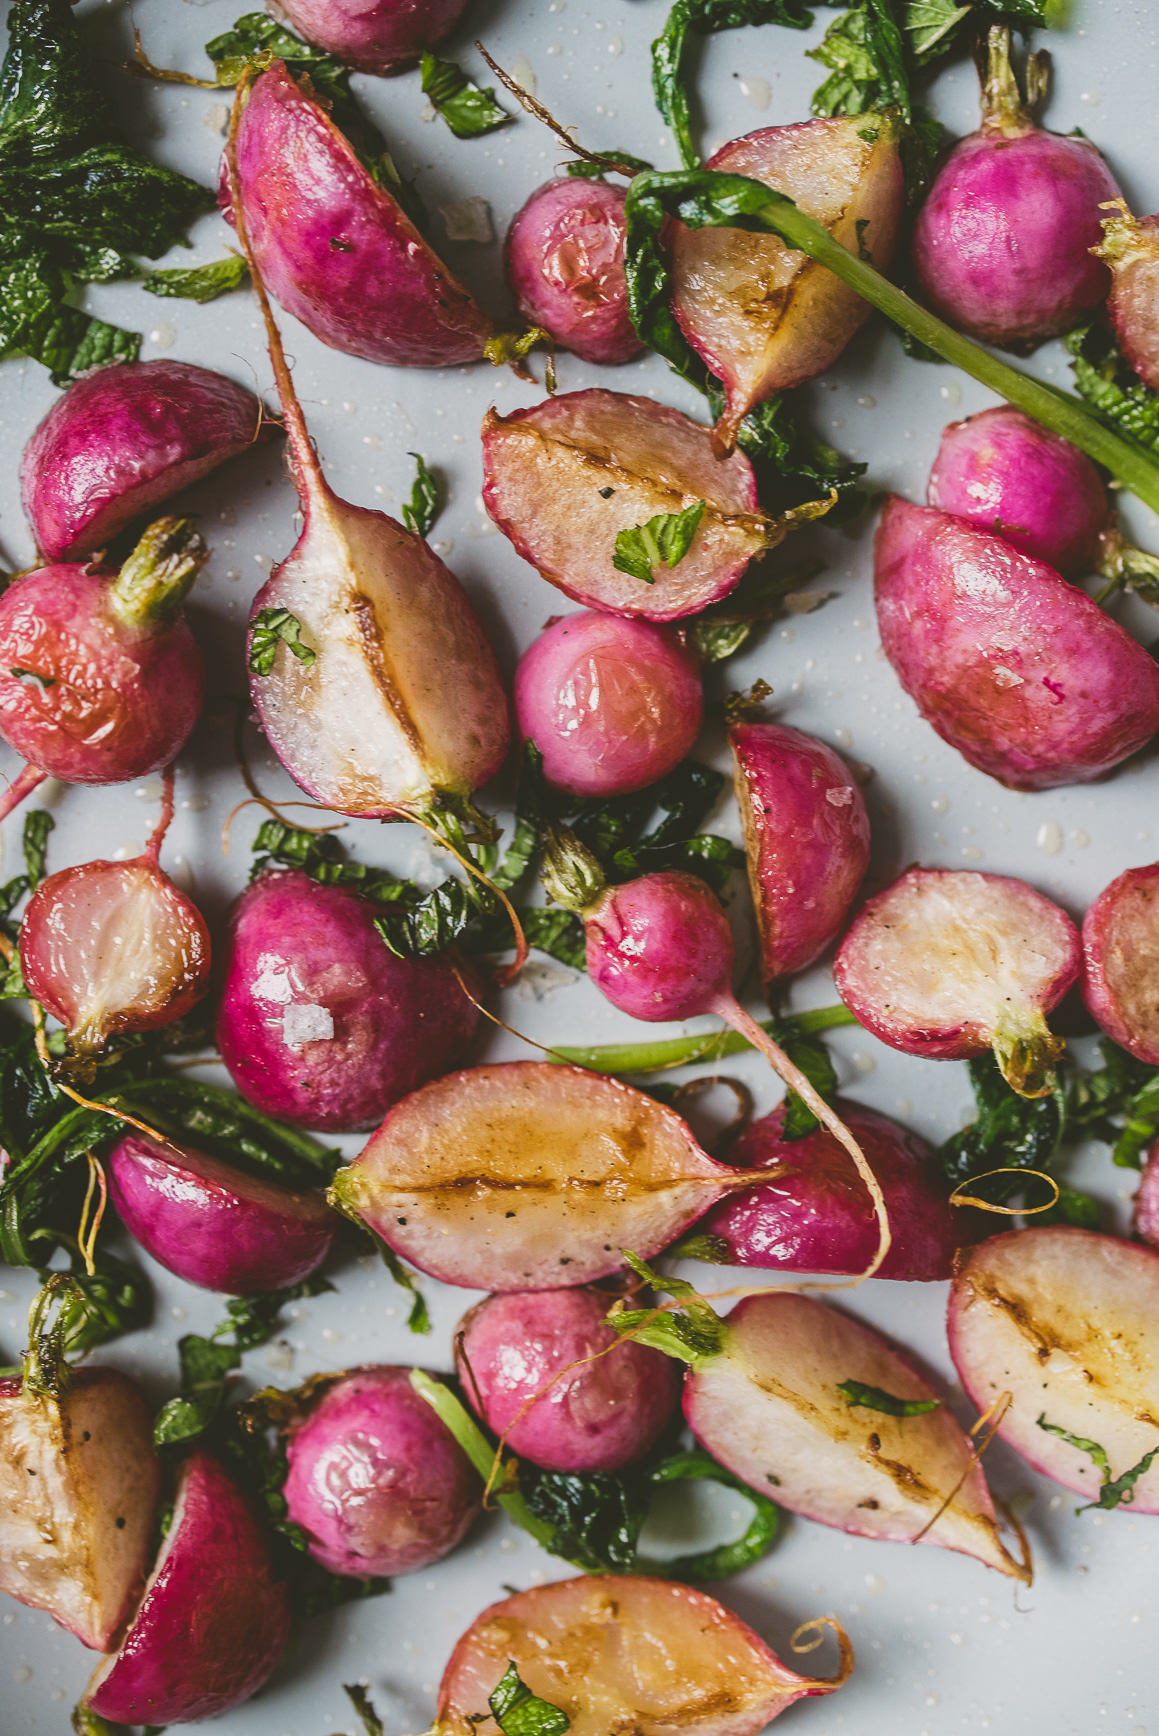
(665, 1052)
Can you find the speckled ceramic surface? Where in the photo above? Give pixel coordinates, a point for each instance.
(942, 1645)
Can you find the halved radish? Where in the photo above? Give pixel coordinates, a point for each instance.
(565, 477)
(1121, 953)
(528, 1176)
(79, 1484)
(769, 1405)
(1067, 1323)
(623, 1654)
(948, 963)
(213, 1620)
(1146, 1210)
(763, 316)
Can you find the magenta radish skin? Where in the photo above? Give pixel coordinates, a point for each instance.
(319, 1022)
(1066, 1322)
(375, 1480)
(1146, 1210)
(529, 1176)
(79, 1487)
(611, 704)
(213, 1620)
(813, 1214)
(213, 1225)
(806, 840)
(373, 35)
(1131, 249)
(511, 1353)
(565, 264)
(1021, 672)
(681, 1661)
(335, 249)
(660, 947)
(1004, 472)
(546, 473)
(123, 439)
(1120, 950)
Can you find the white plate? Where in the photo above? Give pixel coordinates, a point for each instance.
(942, 1645)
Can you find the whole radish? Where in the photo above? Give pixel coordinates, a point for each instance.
(1121, 955)
(611, 704)
(806, 835)
(1020, 671)
(544, 1371)
(371, 673)
(761, 315)
(113, 947)
(319, 1022)
(1006, 473)
(101, 679)
(1130, 247)
(1002, 245)
(212, 1224)
(373, 35)
(949, 963)
(378, 1484)
(122, 440)
(565, 264)
(660, 947)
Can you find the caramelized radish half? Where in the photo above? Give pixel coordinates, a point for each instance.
(619, 1653)
(806, 840)
(1065, 1323)
(1121, 953)
(763, 316)
(213, 1620)
(564, 478)
(527, 1176)
(946, 964)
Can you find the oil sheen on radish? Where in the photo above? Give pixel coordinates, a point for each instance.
(565, 264)
(1121, 955)
(373, 35)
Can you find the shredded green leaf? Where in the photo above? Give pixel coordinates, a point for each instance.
(199, 282)
(467, 110)
(519, 1712)
(1113, 1491)
(426, 501)
(1107, 381)
(663, 541)
(705, 18)
(359, 1698)
(271, 628)
(875, 1398)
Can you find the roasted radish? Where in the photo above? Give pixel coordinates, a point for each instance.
(374, 35)
(1121, 953)
(1146, 1213)
(565, 265)
(1130, 246)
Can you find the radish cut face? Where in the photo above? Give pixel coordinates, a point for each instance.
(763, 316)
(947, 964)
(1146, 1213)
(770, 1407)
(1067, 1323)
(527, 1176)
(79, 1484)
(624, 1654)
(564, 478)
(1121, 951)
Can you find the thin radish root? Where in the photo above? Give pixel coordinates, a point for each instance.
(960, 1198)
(817, 1628)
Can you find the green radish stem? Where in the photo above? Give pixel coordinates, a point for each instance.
(655, 1057)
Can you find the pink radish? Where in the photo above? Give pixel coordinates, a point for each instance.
(113, 947)
(374, 35)
(122, 440)
(213, 1620)
(1021, 672)
(1130, 246)
(812, 1214)
(337, 251)
(319, 1022)
(762, 316)
(527, 1176)
(624, 1654)
(948, 963)
(213, 1224)
(375, 1480)
(806, 840)
(515, 1357)
(101, 679)
(1146, 1213)
(612, 705)
(564, 479)
(565, 264)
(1120, 950)
(390, 702)
(1003, 244)
(1006, 473)
(1059, 1329)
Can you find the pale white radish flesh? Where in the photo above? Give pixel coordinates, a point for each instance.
(770, 1407)
(1121, 955)
(763, 316)
(565, 477)
(947, 964)
(640, 1656)
(526, 1175)
(1067, 1323)
(1146, 1211)
(79, 1484)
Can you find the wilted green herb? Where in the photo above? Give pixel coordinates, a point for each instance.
(875, 1398)
(467, 110)
(663, 541)
(271, 628)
